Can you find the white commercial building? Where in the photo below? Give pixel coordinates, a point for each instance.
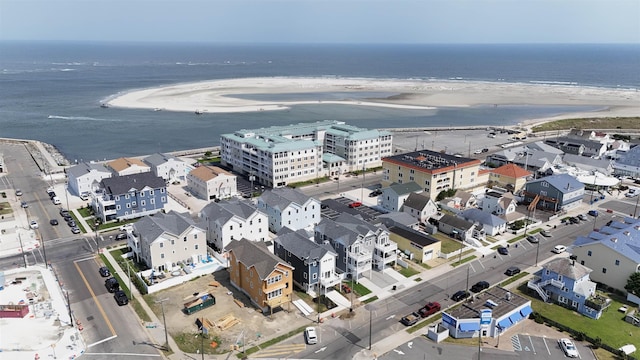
(279, 155)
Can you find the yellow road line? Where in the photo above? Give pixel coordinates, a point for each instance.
(280, 350)
(104, 315)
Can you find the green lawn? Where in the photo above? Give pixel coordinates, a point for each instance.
(464, 260)
(447, 244)
(84, 212)
(5, 208)
(611, 327)
(409, 271)
(360, 289)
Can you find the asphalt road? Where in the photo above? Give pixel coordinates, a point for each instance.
(343, 339)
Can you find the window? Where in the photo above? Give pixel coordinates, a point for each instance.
(161, 256)
(589, 253)
(161, 245)
(604, 270)
(196, 247)
(274, 294)
(617, 262)
(274, 279)
(184, 238)
(315, 276)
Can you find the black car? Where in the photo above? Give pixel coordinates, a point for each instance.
(574, 220)
(121, 297)
(479, 286)
(460, 295)
(104, 271)
(53, 222)
(112, 284)
(503, 250)
(324, 206)
(512, 271)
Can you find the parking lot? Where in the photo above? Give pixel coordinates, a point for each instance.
(333, 207)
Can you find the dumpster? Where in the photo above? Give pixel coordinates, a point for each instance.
(198, 303)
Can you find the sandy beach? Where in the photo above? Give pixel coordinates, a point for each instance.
(219, 96)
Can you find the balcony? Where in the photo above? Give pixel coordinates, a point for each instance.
(333, 280)
(598, 302)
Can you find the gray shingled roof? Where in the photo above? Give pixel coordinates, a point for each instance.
(456, 222)
(297, 243)
(631, 157)
(84, 168)
(174, 223)
(482, 217)
(567, 268)
(280, 198)
(562, 182)
(621, 237)
(337, 232)
(255, 254)
(402, 189)
(123, 184)
(223, 211)
(416, 201)
(356, 224)
(393, 218)
(158, 159)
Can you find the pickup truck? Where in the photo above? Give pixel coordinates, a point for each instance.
(429, 309)
(410, 319)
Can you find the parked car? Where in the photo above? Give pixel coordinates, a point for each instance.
(104, 271)
(75, 230)
(121, 297)
(460, 295)
(582, 217)
(593, 213)
(112, 285)
(410, 319)
(513, 270)
(53, 222)
(324, 206)
(64, 212)
(568, 348)
(429, 309)
(479, 286)
(545, 233)
(71, 223)
(121, 236)
(559, 249)
(310, 335)
(126, 227)
(18, 192)
(533, 239)
(503, 250)
(24, 204)
(574, 220)
(355, 204)
(375, 193)
(485, 150)
(33, 224)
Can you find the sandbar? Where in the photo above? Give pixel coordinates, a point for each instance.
(217, 96)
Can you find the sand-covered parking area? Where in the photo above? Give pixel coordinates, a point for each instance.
(218, 96)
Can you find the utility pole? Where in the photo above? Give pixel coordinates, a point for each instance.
(636, 208)
(467, 287)
(24, 257)
(164, 320)
(362, 186)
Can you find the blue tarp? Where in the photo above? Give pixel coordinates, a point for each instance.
(469, 326)
(526, 311)
(515, 317)
(505, 323)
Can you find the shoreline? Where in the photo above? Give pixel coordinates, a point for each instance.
(217, 96)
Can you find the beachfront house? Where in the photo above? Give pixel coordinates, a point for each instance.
(85, 177)
(127, 166)
(226, 221)
(314, 264)
(290, 208)
(165, 241)
(129, 197)
(168, 167)
(212, 183)
(265, 278)
(628, 164)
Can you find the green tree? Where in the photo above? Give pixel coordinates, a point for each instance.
(633, 284)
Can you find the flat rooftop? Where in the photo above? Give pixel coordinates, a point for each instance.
(485, 300)
(431, 161)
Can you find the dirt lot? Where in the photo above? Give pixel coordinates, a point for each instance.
(257, 326)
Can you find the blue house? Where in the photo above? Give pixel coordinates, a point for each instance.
(130, 196)
(567, 283)
(314, 263)
(555, 192)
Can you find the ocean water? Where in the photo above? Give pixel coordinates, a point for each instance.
(51, 91)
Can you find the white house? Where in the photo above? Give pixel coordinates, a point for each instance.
(420, 207)
(168, 167)
(290, 208)
(164, 241)
(85, 178)
(233, 220)
(394, 195)
(127, 166)
(491, 224)
(212, 182)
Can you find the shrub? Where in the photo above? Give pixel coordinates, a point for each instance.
(597, 342)
(579, 336)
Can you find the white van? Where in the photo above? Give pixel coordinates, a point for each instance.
(56, 201)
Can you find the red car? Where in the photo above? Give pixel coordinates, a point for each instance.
(355, 204)
(429, 309)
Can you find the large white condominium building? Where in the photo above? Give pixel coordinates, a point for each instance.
(278, 155)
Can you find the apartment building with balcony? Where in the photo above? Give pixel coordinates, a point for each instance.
(433, 171)
(279, 155)
(130, 196)
(315, 264)
(289, 208)
(230, 220)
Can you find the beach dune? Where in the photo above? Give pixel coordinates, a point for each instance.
(220, 96)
